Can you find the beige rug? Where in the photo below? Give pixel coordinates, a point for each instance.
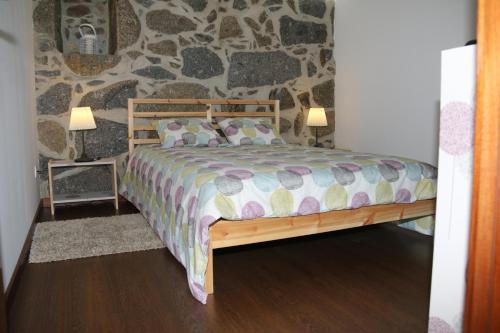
(63, 240)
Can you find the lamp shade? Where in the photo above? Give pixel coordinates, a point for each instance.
(317, 117)
(81, 119)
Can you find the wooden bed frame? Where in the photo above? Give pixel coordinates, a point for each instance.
(225, 233)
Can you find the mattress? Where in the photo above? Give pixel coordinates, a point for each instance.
(182, 191)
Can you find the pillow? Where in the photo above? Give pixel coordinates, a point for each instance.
(186, 132)
(250, 131)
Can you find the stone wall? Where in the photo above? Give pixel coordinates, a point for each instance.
(182, 49)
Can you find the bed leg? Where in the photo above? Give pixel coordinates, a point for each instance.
(209, 275)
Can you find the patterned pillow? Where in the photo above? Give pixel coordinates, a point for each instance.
(186, 132)
(250, 131)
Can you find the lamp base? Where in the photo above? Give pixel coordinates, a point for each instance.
(317, 144)
(83, 156)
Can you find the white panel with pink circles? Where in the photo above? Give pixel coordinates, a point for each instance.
(454, 189)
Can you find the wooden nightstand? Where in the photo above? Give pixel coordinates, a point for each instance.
(82, 197)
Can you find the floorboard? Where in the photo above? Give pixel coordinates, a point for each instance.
(372, 279)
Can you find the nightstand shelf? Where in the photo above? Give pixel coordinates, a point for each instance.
(82, 197)
(56, 198)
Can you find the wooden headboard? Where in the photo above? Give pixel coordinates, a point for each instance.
(209, 113)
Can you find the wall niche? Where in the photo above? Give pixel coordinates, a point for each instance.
(95, 13)
(57, 23)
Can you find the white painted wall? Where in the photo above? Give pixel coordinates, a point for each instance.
(18, 189)
(388, 72)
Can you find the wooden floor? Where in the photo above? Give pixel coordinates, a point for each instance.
(372, 279)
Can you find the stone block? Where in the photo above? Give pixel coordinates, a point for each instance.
(90, 64)
(166, 22)
(55, 100)
(284, 96)
(113, 96)
(128, 25)
(52, 135)
(324, 94)
(165, 47)
(197, 5)
(201, 63)
(177, 90)
(230, 28)
(155, 72)
(314, 8)
(255, 69)
(301, 32)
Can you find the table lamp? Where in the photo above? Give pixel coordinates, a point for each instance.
(317, 118)
(81, 119)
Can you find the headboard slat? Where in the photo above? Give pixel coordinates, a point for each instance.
(144, 127)
(146, 141)
(173, 101)
(169, 114)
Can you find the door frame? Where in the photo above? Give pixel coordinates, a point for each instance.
(482, 304)
(3, 306)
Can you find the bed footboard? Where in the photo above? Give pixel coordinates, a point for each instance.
(229, 233)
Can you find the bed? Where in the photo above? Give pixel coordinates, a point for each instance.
(199, 199)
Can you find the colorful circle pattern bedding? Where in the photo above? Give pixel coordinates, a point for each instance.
(250, 131)
(186, 132)
(182, 191)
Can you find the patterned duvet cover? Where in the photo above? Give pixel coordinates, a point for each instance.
(181, 191)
